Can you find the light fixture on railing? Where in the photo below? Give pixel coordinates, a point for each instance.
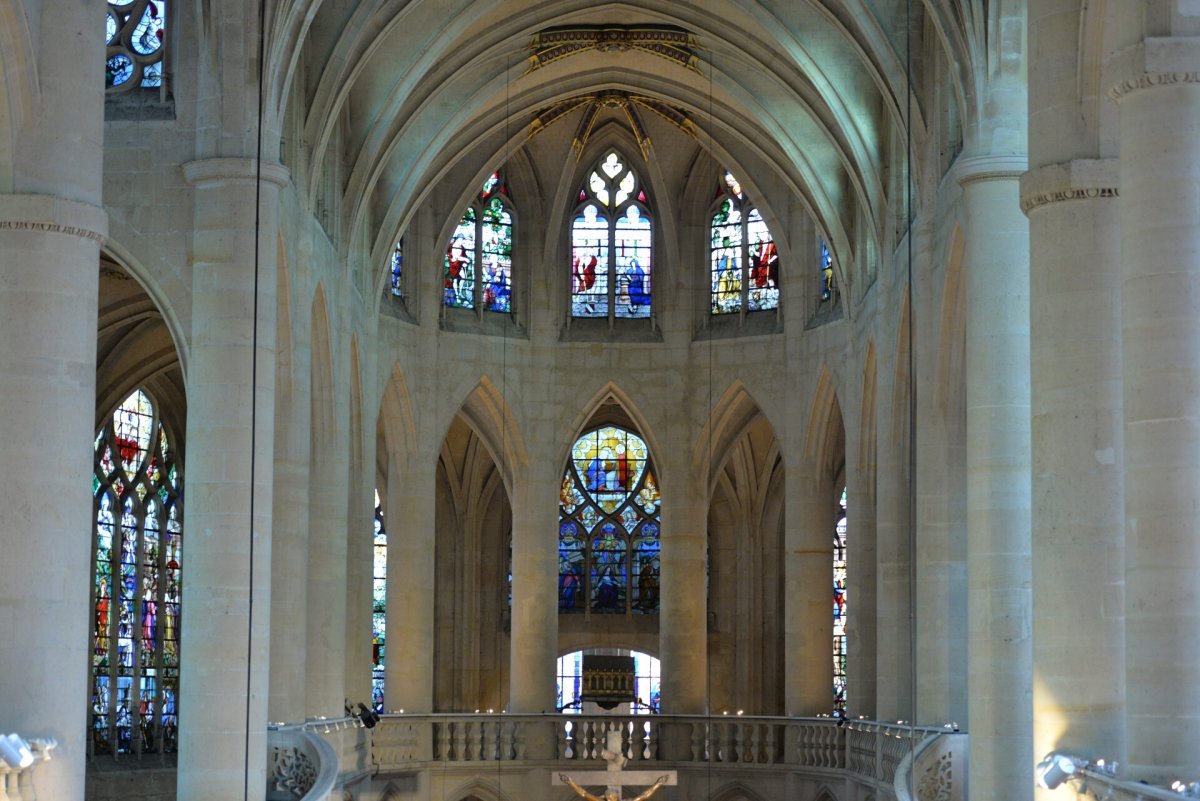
(1057, 768)
(367, 716)
(1186, 790)
(15, 752)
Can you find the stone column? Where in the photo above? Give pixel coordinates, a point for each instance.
(231, 410)
(808, 592)
(1078, 516)
(50, 234)
(327, 533)
(289, 541)
(1159, 109)
(683, 600)
(360, 554)
(861, 619)
(999, 663)
(534, 589)
(409, 515)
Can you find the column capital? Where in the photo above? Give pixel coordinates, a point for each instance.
(1078, 179)
(224, 170)
(53, 214)
(991, 167)
(1155, 62)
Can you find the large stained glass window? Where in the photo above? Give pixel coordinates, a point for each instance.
(839, 610)
(138, 500)
(378, 607)
(478, 263)
(608, 535)
(647, 672)
(611, 244)
(136, 39)
(743, 259)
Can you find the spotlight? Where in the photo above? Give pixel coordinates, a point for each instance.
(1055, 769)
(14, 751)
(369, 717)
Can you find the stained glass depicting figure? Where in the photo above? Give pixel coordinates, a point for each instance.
(743, 257)
(611, 244)
(478, 264)
(135, 36)
(136, 581)
(839, 609)
(378, 607)
(609, 526)
(398, 269)
(828, 288)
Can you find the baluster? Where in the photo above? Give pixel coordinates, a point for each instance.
(739, 743)
(5, 772)
(518, 741)
(772, 738)
(565, 740)
(482, 738)
(701, 742)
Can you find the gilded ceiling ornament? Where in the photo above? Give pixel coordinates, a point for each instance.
(667, 41)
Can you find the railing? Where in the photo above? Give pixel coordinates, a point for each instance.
(16, 782)
(312, 761)
(1093, 783)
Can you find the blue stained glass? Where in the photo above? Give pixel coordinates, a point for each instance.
(378, 607)
(398, 268)
(478, 264)
(743, 258)
(135, 35)
(828, 288)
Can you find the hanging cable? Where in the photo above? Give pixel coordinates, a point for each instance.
(912, 391)
(262, 40)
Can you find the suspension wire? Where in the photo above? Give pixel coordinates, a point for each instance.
(708, 478)
(912, 391)
(262, 73)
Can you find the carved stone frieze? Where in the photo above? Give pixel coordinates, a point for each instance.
(937, 782)
(1150, 80)
(292, 771)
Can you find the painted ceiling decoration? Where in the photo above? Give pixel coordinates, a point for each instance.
(593, 104)
(668, 41)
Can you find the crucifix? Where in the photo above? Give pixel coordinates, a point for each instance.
(614, 777)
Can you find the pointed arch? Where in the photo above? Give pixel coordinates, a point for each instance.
(323, 412)
(611, 393)
(950, 387)
(825, 441)
(477, 789)
(900, 381)
(284, 335)
(824, 793)
(395, 422)
(736, 791)
(729, 419)
(488, 414)
(356, 408)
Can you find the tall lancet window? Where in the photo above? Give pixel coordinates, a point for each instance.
(611, 244)
(138, 499)
(478, 263)
(829, 288)
(839, 610)
(743, 259)
(378, 608)
(136, 39)
(608, 526)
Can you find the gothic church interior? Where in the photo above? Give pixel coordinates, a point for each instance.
(371, 365)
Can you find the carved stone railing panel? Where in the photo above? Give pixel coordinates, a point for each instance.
(300, 765)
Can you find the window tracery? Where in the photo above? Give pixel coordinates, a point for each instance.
(743, 258)
(136, 40)
(138, 530)
(608, 536)
(478, 263)
(611, 237)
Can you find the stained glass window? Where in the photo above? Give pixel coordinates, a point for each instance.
(137, 489)
(828, 287)
(743, 259)
(378, 607)
(647, 672)
(398, 269)
(608, 534)
(611, 249)
(478, 263)
(136, 39)
(839, 610)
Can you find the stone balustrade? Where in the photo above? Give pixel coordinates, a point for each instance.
(312, 760)
(16, 782)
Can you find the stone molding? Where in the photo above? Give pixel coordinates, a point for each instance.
(223, 170)
(1151, 80)
(1000, 167)
(1080, 179)
(53, 214)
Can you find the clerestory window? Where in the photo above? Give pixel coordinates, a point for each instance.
(743, 258)
(478, 263)
(136, 43)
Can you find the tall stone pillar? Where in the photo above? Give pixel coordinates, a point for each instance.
(231, 410)
(50, 234)
(534, 589)
(807, 592)
(409, 511)
(289, 540)
(360, 553)
(861, 619)
(683, 600)
(1159, 108)
(894, 642)
(999, 660)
